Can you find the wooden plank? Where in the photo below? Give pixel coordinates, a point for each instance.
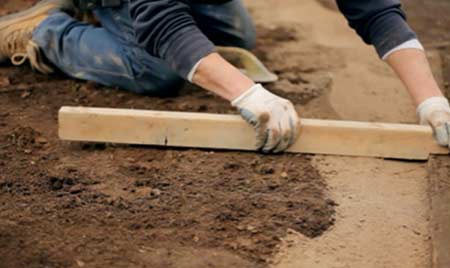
(439, 181)
(201, 130)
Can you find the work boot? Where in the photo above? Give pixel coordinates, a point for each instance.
(16, 33)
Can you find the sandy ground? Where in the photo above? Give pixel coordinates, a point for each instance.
(382, 218)
(383, 205)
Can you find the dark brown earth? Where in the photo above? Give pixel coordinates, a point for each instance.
(94, 205)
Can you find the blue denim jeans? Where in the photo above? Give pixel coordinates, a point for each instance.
(109, 54)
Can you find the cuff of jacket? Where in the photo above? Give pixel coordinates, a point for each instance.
(192, 72)
(390, 31)
(186, 50)
(411, 44)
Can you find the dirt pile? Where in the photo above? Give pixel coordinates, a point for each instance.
(63, 203)
(59, 201)
(93, 205)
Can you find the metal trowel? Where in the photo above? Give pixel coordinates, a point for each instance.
(248, 63)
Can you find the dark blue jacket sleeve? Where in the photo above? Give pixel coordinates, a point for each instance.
(381, 23)
(166, 29)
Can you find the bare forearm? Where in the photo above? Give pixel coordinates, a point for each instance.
(412, 66)
(217, 75)
(274, 119)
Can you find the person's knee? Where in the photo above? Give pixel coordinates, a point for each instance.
(168, 87)
(243, 26)
(242, 34)
(228, 24)
(162, 86)
(248, 36)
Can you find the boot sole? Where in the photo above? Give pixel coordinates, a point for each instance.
(40, 8)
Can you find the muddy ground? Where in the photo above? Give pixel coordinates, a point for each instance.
(94, 205)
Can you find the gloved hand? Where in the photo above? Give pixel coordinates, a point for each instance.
(436, 112)
(275, 120)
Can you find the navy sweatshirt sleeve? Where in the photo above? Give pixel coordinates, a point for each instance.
(381, 23)
(166, 29)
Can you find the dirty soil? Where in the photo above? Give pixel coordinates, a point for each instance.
(96, 205)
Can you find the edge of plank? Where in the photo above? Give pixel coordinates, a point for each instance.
(439, 193)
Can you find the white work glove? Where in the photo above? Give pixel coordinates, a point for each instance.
(275, 120)
(435, 111)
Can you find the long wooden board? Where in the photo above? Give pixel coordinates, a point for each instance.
(201, 130)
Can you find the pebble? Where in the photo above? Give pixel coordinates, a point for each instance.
(266, 170)
(196, 239)
(76, 189)
(25, 94)
(4, 82)
(41, 140)
(155, 193)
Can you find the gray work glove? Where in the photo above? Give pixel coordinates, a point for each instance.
(275, 120)
(436, 113)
